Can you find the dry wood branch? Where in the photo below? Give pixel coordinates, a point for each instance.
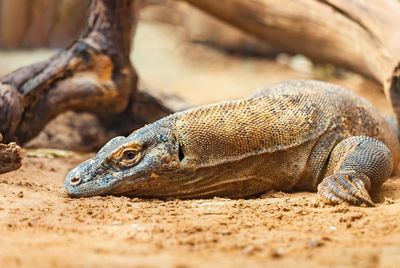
(362, 36)
(10, 157)
(93, 74)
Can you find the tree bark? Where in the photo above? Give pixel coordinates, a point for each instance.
(362, 36)
(10, 156)
(94, 74)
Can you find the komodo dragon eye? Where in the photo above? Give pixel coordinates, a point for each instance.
(129, 155)
(129, 158)
(126, 156)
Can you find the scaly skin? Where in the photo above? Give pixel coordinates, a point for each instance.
(297, 135)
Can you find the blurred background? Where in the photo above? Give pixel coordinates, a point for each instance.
(40, 23)
(177, 49)
(180, 53)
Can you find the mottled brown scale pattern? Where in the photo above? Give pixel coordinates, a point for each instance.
(277, 118)
(289, 129)
(236, 129)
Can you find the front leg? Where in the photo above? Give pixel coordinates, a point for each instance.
(356, 165)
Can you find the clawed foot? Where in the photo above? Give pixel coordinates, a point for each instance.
(346, 187)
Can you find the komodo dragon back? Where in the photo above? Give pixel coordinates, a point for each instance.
(281, 138)
(275, 119)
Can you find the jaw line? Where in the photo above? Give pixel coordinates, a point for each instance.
(77, 192)
(127, 182)
(107, 190)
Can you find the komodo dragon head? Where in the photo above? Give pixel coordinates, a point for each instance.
(126, 163)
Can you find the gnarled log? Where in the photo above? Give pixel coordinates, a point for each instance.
(94, 74)
(363, 36)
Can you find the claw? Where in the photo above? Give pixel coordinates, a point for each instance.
(349, 188)
(340, 190)
(330, 197)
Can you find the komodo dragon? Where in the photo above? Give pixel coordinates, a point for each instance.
(297, 135)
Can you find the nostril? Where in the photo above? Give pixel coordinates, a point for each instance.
(75, 181)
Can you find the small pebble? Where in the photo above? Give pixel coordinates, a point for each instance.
(277, 253)
(314, 243)
(332, 228)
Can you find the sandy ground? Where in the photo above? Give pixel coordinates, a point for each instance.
(41, 227)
